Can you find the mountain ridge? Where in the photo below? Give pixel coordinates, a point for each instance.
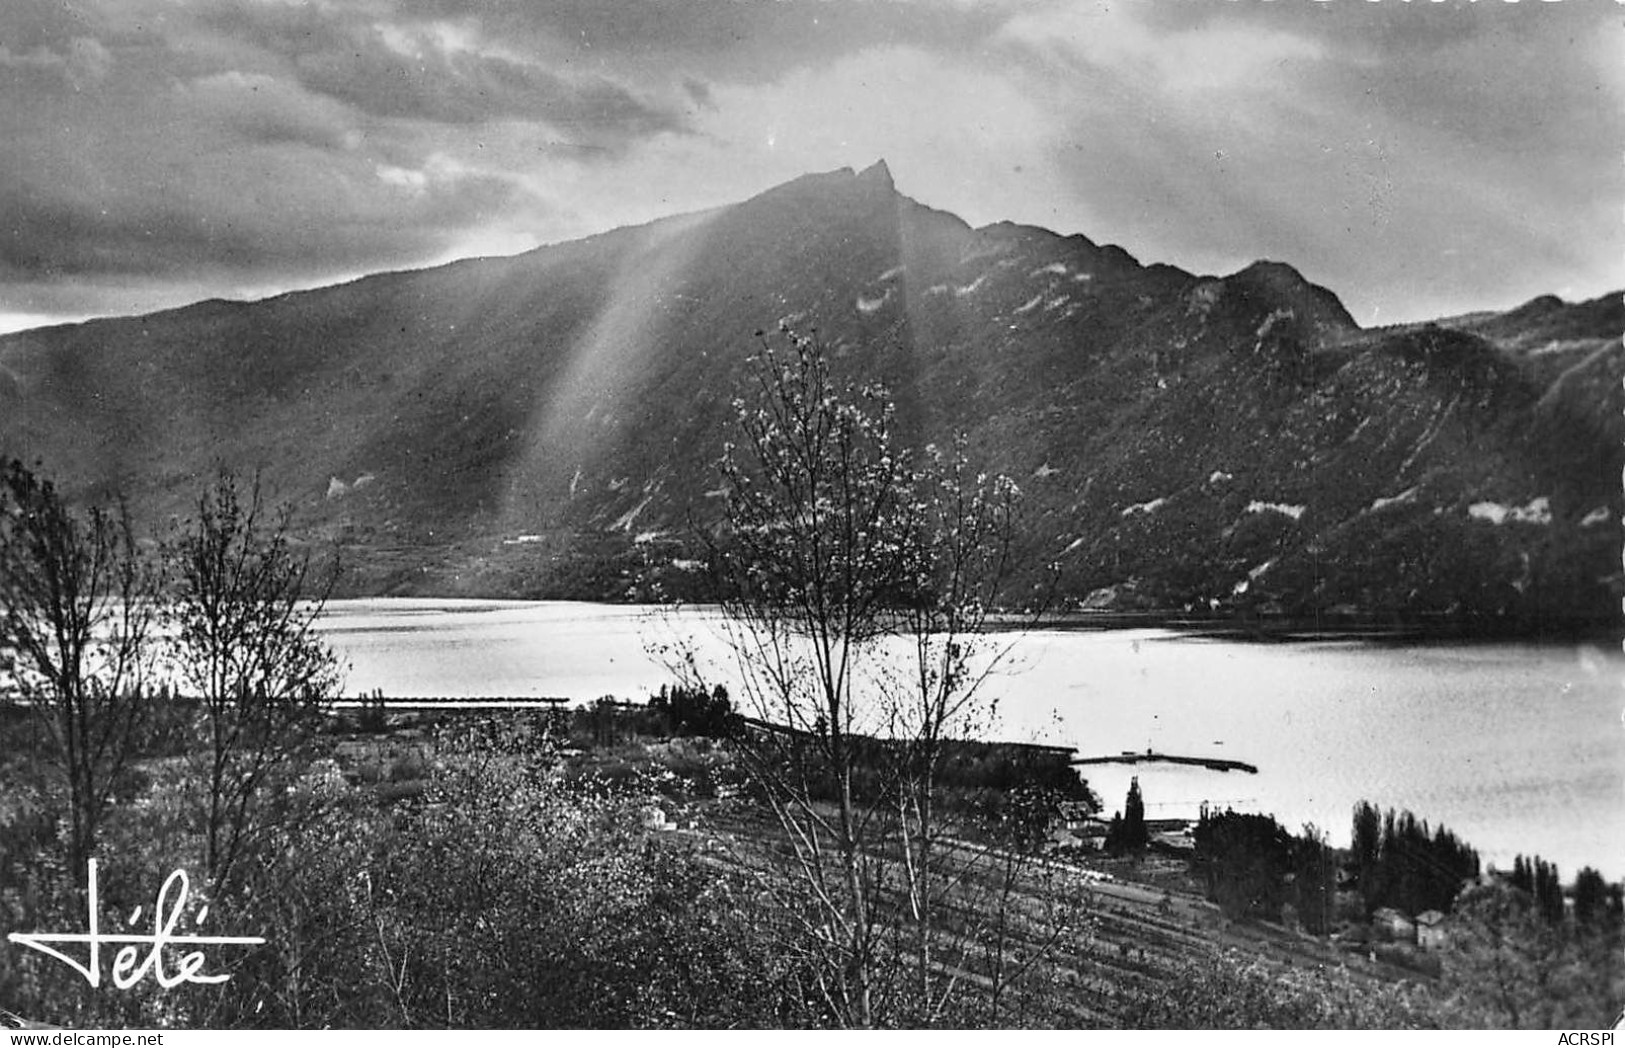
(544, 424)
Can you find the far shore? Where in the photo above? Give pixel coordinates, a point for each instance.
(1218, 625)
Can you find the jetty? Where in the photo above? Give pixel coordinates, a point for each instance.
(401, 704)
(1150, 757)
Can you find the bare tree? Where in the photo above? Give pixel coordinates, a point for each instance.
(814, 548)
(965, 525)
(77, 603)
(856, 587)
(244, 606)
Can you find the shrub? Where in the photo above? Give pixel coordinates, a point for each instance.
(501, 897)
(1231, 991)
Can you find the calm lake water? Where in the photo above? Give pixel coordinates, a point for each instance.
(1517, 748)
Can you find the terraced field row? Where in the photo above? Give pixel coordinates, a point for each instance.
(1092, 949)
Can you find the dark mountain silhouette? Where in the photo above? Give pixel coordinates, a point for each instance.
(546, 424)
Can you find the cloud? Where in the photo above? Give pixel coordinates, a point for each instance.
(441, 71)
(414, 182)
(83, 62)
(231, 145)
(699, 91)
(1203, 58)
(740, 41)
(444, 86)
(199, 159)
(183, 187)
(260, 108)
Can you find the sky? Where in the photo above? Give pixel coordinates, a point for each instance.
(1420, 159)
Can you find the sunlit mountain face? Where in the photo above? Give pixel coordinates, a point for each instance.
(548, 424)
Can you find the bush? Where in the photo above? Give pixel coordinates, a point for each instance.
(501, 898)
(1231, 991)
(490, 895)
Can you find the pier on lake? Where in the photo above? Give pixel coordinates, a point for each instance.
(1150, 757)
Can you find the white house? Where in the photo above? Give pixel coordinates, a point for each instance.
(1430, 933)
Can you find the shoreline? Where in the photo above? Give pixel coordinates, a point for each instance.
(1264, 629)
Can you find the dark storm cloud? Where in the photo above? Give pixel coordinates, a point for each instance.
(461, 89)
(148, 146)
(67, 235)
(401, 69)
(232, 177)
(260, 109)
(732, 40)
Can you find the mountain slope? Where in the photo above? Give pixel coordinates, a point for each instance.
(546, 424)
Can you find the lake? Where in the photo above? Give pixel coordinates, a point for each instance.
(1515, 747)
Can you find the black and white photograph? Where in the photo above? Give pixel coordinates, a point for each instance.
(812, 514)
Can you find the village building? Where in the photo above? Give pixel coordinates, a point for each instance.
(1430, 934)
(1077, 825)
(1172, 834)
(1389, 923)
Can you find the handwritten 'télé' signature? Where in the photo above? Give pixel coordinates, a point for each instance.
(130, 966)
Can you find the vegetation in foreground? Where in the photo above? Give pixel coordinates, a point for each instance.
(600, 869)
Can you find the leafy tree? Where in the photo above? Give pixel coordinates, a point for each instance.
(1591, 910)
(1367, 849)
(1314, 866)
(1549, 893)
(1129, 835)
(1507, 966)
(244, 606)
(1523, 876)
(1399, 862)
(77, 605)
(1243, 860)
(1540, 884)
(692, 710)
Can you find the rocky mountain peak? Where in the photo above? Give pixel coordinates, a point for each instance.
(835, 192)
(1315, 308)
(877, 174)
